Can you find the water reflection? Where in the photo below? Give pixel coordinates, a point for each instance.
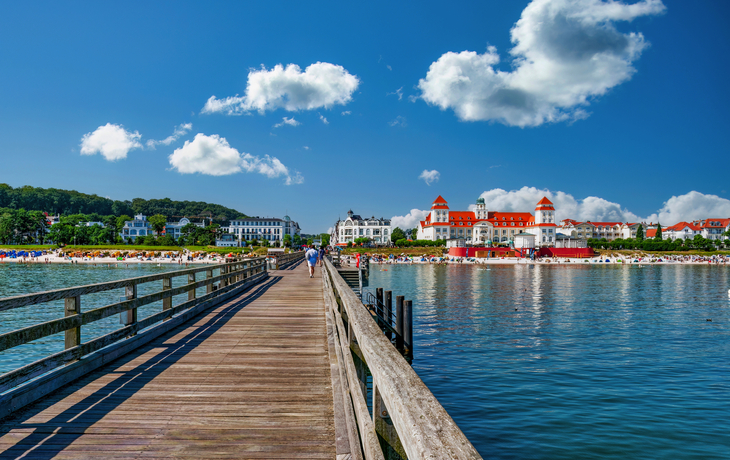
(576, 361)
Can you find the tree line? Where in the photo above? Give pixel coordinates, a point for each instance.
(657, 243)
(67, 202)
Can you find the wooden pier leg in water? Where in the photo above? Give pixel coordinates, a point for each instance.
(72, 306)
(191, 280)
(388, 436)
(388, 312)
(209, 286)
(399, 323)
(408, 328)
(166, 286)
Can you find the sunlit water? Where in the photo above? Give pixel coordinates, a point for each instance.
(18, 279)
(565, 362)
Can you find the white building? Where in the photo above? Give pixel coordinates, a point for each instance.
(346, 231)
(482, 227)
(270, 229)
(140, 226)
(174, 229)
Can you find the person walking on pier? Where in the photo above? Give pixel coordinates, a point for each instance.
(311, 255)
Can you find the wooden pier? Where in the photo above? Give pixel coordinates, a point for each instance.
(276, 368)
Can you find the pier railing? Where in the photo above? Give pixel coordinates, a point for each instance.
(407, 420)
(80, 358)
(285, 260)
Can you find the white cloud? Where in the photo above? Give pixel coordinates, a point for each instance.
(306, 147)
(690, 206)
(565, 53)
(113, 142)
(320, 85)
(430, 176)
(212, 155)
(398, 121)
(410, 220)
(324, 120)
(687, 207)
(398, 92)
(179, 131)
(287, 121)
(346, 112)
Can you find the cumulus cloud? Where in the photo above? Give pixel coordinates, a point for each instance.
(346, 112)
(687, 207)
(430, 176)
(410, 220)
(212, 155)
(320, 85)
(565, 53)
(691, 206)
(113, 142)
(179, 131)
(287, 121)
(324, 120)
(398, 121)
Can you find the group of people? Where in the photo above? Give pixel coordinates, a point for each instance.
(313, 255)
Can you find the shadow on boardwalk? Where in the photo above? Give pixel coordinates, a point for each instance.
(50, 438)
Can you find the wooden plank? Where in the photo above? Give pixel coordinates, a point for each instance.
(250, 378)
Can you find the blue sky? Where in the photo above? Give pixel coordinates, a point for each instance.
(638, 132)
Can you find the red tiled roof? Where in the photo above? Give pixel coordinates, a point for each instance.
(651, 233)
(544, 201)
(682, 225)
(603, 224)
(440, 200)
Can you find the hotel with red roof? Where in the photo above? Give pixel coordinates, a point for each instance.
(483, 227)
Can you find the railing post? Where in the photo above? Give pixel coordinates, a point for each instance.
(384, 425)
(209, 286)
(72, 307)
(387, 312)
(191, 280)
(129, 317)
(399, 323)
(166, 286)
(408, 327)
(378, 299)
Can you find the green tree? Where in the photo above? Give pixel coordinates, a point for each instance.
(658, 235)
(120, 222)
(414, 233)
(287, 241)
(325, 238)
(640, 233)
(158, 222)
(397, 234)
(297, 240)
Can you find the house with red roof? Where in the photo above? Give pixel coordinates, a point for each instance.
(484, 227)
(713, 229)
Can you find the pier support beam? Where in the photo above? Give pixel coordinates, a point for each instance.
(72, 307)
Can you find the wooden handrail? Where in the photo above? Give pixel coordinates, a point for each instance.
(233, 275)
(9, 303)
(425, 429)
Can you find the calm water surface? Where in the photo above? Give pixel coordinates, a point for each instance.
(17, 279)
(564, 362)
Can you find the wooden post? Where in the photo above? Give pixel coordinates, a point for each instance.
(129, 317)
(385, 428)
(408, 327)
(387, 312)
(399, 323)
(209, 286)
(166, 286)
(379, 301)
(191, 280)
(72, 307)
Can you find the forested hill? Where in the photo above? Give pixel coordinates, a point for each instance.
(56, 201)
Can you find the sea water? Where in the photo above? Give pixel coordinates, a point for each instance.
(581, 361)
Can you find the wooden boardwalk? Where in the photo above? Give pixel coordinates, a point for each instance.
(248, 379)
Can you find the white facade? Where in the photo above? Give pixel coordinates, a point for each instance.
(524, 241)
(270, 229)
(139, 227)
(346, 231)
(174, 229)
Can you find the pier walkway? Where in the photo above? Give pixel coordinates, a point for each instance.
(247, 379)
